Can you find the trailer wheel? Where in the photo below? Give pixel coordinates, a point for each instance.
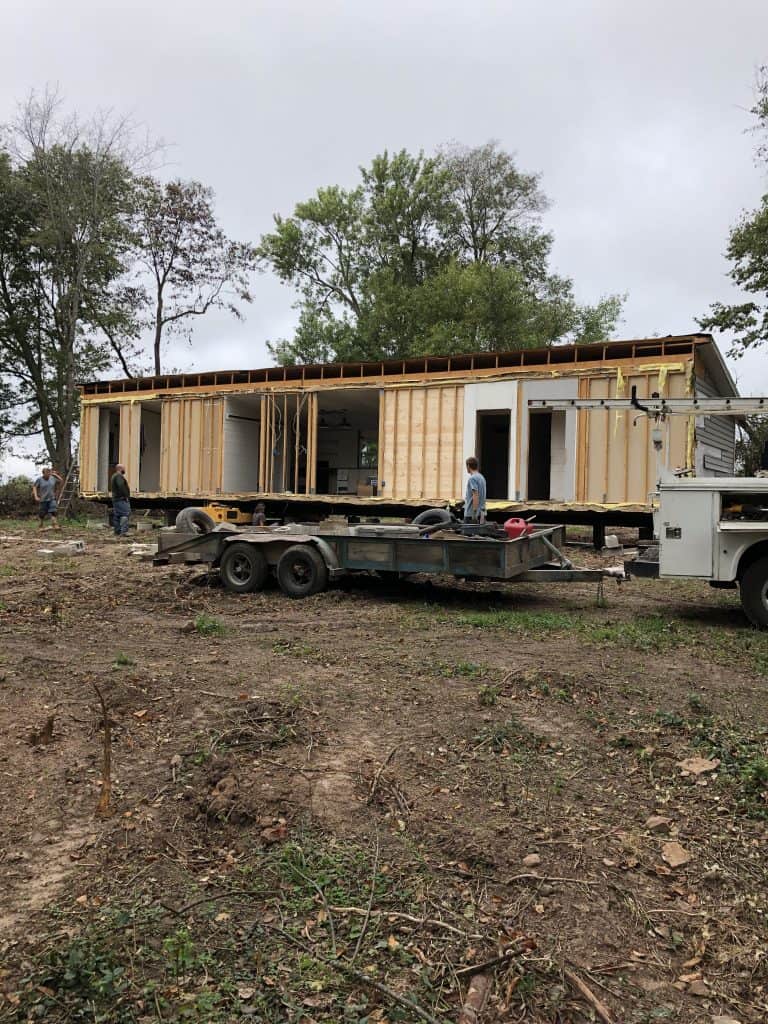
(194, 519)
(754, 593)
(302, 571)
(243, 568)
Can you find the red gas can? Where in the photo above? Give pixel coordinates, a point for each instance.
(515, 528)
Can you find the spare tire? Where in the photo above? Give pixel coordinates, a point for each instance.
(194, 520)
(432, 517)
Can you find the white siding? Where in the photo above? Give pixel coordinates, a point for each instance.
(498, 396)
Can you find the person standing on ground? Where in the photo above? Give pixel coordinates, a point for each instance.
(474, 499)
(121, 501)
(259, 515)
(44, 491)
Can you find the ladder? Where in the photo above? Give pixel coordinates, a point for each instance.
(659, 408)
(71, 484)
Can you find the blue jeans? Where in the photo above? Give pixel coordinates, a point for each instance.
(121, 510)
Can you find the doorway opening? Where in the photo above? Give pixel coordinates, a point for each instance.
(347, 442)
(108, 452)
(492, 435)
(539, 456)
(149, 450)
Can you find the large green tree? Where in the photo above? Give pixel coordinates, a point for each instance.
(747, 250)
(64, 236)
(426, 255)
(95, 255)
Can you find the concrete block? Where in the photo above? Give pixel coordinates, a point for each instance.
(66, 549)
(612, 541)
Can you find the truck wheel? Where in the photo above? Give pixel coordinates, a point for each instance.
(302, 571)
(754, 593)
(194, 520)
(243, 568)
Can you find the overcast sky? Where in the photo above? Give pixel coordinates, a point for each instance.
(634, 113)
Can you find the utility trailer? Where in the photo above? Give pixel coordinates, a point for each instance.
(306, 557)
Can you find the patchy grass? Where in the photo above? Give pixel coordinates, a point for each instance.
(123, 661)
(207, 625)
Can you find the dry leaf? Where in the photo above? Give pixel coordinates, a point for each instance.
(392, 943)
(674, 855)
(532, 860)
(698, 765)
(140, 714)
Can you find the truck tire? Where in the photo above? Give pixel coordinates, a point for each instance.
(432, 517)
(302, 571)
(194, 520)
(243, 568)
(754, 593)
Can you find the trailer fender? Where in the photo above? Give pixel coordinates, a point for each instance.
(329, 556)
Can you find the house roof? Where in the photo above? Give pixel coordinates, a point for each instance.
(552, 356)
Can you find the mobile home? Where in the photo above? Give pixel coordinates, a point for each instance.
(397, 433)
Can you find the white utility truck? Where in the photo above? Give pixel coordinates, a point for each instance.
(709, 528)
(716, 530)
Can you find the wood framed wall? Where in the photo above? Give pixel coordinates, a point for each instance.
(615, 459)
(191, 438)
(420, 442)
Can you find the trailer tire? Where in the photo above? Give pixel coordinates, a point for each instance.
(302, 571)
(195, 520)
(432, 517)
(243, 568)
(754, 593)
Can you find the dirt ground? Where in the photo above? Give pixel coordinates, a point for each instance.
(345, 808)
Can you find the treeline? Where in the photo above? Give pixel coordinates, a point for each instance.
(99, 261)
(427, 255)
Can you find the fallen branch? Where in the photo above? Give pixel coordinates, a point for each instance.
(384, 763)
(586, 992)
(103, 808)
(477, 997)
(504, 957)
(367, 918)
(353, 972)
(431, 921)
(531, 876)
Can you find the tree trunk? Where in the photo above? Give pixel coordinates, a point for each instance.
(158, 331)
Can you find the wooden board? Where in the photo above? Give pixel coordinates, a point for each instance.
(616, 461)
(191, 432)
(420, 438)
(89, 448)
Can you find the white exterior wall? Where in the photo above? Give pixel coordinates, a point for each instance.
(563, 471)
(503, 395)
(498, 396)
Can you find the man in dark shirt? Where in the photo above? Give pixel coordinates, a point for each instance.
(121, 501)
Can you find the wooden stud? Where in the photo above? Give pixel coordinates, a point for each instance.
(284, 481)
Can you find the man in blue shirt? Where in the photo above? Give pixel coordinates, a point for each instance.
(474, 499)
(44, 493)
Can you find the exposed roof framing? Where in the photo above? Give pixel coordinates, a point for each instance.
(556, 355)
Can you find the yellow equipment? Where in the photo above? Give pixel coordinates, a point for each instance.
(228, 514)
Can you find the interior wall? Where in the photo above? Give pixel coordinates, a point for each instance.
(241, 445)
(562, 387)
(108, 421)
(149, 465)
(559, 468)
(497, 395)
